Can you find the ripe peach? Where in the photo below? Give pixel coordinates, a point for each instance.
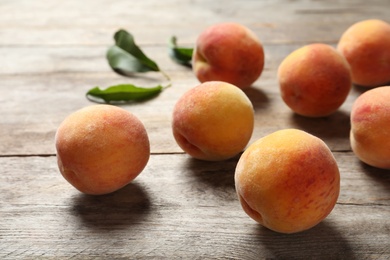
(101, 148)
(213, 121)
(288, 181)
(366, 46)
(314, 80)
(228, 52)
(370, 127)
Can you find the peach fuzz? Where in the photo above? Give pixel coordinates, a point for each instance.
(101, 148)
(288, 181)
(213, 121)
(315, 80)
(228, 52)
(370, 127)
(366, 46)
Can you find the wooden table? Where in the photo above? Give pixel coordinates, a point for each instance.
(52, 52)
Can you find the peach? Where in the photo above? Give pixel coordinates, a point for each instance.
(213, 121)
(370, 127)
(228, 52)
(101, 148)
(287, 181)
(315, 80)
(366, 46)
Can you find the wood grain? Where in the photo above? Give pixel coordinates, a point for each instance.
(52, 52)
(179, 208)
(49, 96)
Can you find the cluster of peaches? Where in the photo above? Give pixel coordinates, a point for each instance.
(287, 181)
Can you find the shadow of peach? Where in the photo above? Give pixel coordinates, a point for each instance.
(215, 174)
(359, 89)
(336, 125)
(127, 206)
(212, 179)
(380, 176)
(258, 98)
(323, 241)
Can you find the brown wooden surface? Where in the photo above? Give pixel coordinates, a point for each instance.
(52, 52)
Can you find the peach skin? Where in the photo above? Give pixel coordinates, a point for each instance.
(370, 127)
(366, 46)
(213, 121)
(288, 181)
(314, 80)
(228, 52)
(101, 148)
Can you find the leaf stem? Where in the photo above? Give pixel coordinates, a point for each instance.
(168, 86)
(165, 75)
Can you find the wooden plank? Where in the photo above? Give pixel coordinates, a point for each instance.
(74, 23)
(179, 208)
(30, 128)
(52, 83)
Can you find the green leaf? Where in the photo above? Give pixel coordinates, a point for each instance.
(125, 57)
(123, 92)
(181, 55)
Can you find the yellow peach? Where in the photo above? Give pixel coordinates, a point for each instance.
(370, 127)
(315, 80)
(101, 148)
(366, 46)
(213, 121)
(287, 181)
(228, 52)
